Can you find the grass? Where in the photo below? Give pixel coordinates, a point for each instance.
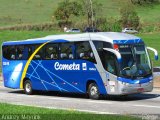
(48, 114)
(26, 11)
(22, 35)
(149, 14)
(15, 12)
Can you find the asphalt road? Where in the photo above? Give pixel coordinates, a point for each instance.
(147, 103)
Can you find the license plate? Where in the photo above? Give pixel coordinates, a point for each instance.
(140, 89)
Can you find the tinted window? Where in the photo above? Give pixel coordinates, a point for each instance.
(84, 51)
(30, 49)
(100, 45)
(20, 52)
(40, 54)
(67, 51)
(51, 51)
(26, 51)
(109, 62)
(9, 52)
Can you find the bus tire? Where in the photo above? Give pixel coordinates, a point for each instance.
(93, 91)
(28, 87)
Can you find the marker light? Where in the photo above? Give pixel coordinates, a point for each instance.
(116, 47)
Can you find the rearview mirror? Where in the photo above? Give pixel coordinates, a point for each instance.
(118, 55)
(155, 52)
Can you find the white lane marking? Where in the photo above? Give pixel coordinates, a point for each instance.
(148, 106)
(156, 90)
(45, 97)
(68, 109)
(100, 102)
(63, 99)
(68, 99)
(96, 112)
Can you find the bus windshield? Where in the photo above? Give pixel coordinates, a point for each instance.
(135, 61)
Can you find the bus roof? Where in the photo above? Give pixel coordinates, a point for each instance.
(112, 37)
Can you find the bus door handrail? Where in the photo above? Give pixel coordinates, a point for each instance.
(118, 55)
(155, 52)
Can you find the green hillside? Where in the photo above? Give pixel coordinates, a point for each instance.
(13, 12)
(26, 11)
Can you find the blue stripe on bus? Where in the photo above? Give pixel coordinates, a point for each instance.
(134, 41)
(130, 81)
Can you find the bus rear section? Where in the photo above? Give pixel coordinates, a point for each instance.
(12, 66)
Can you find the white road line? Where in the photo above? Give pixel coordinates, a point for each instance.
(157, 90)
(96, 112)
(67, 99)
(48, 97)
(148, 106)
(63, 99)
(100, 102)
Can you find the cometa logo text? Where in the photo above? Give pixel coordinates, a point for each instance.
(72, 66)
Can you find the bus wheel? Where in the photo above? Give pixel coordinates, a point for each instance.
(28, 87)
(93, 91)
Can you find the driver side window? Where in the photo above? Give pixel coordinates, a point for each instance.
(110, 62)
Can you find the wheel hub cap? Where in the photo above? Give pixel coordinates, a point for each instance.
(28, 87)
(93, 90)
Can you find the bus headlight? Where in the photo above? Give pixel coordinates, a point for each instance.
(124, 83)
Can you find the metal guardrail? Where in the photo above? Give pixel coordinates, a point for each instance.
(156, 71)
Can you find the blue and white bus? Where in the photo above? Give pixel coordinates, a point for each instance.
(92, 63)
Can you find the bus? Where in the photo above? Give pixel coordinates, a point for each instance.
(104, 63)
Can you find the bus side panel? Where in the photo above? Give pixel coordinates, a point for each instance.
(63, 75)
(12, 72)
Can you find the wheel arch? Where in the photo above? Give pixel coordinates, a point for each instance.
(89, 82)
(26, 78)
(100, 85)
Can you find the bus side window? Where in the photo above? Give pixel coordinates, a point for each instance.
(29, 51)
(15, 52)
(19, 52)
(67, 51)
(6, 52)
(99, 47)
(109, 62)
(39, 54)
(12, 53)
(84, 51)
(9, 52)
(51, 52)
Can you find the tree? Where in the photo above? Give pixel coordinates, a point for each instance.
(129, 17)
(66, 9)
(91, 9)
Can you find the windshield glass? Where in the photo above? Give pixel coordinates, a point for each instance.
(135, 61)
